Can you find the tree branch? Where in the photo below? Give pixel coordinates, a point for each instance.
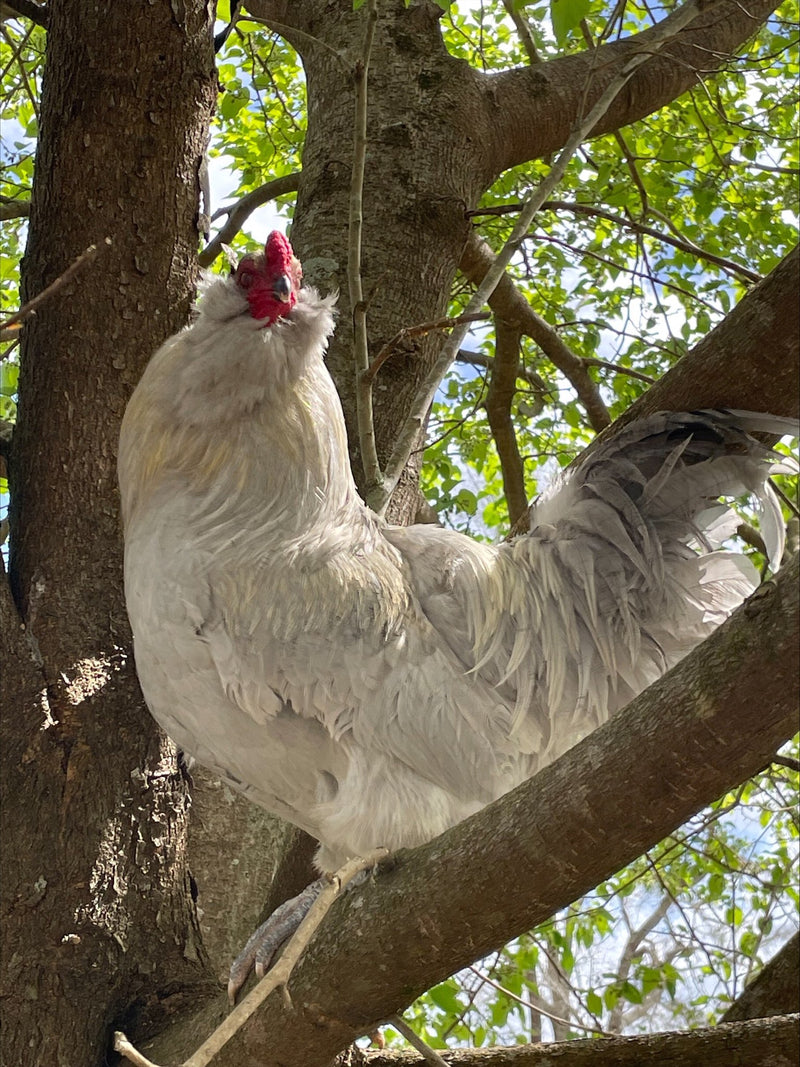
(240, 212)
(13, 209)
(774, 1041)
(499, 397)
(531, 378)
(682, 743)
(523, 30)
(534, 108)
(677, 241)
(507, 302)
(659, 37)
(27, 9)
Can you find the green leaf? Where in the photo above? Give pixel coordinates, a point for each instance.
(566, 15)
(594, 1003)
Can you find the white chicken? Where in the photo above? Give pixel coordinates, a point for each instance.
(375, 685)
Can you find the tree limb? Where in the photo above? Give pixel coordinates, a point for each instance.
(499, 397)
(534, 108)
(239, 213)
(27, 9)
(509, 303)
(13, 209)
(774, 1041)
(678, 241)
(682, 743)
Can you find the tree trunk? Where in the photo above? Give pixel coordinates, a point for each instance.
(99, 912)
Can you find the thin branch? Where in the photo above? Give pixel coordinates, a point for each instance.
(131, 1054)
(366, 426)
(657, 38)
(635, 938)
(786, 761)
(531, 378)
(537, 1007)
(524, 31)
(277, 977)
(31, 306)
(617, 368)
(424, 328)
(16, 50)
(239, 213)
(428, 1054)
(507, 301)
(633, 170)
(679, 241)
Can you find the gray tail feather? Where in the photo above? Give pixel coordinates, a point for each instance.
(664, 474)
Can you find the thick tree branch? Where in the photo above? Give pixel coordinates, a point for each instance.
(775, 990)
(508, 303)
(773, 1041)
(684, 742)
(534, 108)
(27, 9)
(13, 209)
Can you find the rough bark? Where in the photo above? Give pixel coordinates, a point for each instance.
(539, 105)
(726, 708)
(775, 990)
(768, 1042)
(98, 917)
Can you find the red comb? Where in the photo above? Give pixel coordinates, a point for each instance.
(278, 253)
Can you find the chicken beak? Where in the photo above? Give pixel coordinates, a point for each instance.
(282, 288)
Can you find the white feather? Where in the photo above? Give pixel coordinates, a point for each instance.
(375, 684)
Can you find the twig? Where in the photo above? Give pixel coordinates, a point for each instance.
(417, 331)
(16, 49)
(617, 368)
(30, 307)
(531, 378)
(790, 504)
(366, 426)
(679, 241)
(536, 1007)
(523, 29)
(657, 37)
(279, 975)
(241, 211)
(428, 1054)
